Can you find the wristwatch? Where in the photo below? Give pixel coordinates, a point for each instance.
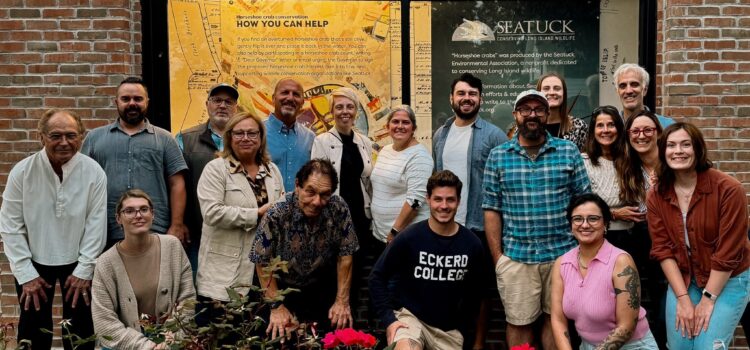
(708, 295)
(276, 304)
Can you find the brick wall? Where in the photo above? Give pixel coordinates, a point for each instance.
(59, 53)
(72, 53)
(703, 76)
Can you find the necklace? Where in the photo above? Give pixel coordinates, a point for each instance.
(685, 193)
(580, 262)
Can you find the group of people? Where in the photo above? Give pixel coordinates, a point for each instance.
(571, 216)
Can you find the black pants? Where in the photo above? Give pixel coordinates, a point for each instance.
(31, 321)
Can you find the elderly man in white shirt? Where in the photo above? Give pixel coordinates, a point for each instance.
(53, 221)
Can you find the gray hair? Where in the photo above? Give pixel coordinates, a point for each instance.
(632, 67)
(403, 108)
(346, 93)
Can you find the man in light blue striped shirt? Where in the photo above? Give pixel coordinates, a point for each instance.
(528, 182)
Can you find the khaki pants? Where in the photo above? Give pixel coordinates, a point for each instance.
(427, 336)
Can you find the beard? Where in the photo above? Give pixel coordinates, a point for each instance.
(132, 119)
(532, 134)
(465, 116)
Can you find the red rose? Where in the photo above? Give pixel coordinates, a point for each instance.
(347, 336)
(367, 340)
(522, 347)
(330, 341)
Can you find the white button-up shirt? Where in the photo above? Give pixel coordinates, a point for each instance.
(51, 222)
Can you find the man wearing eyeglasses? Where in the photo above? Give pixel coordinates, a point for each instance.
(289, 142)
(136, 154)
(631, 82)
(528, 183)
(53, 222)
(199, 145)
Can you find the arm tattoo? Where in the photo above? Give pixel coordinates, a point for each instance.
(632, 286)
(615, 340)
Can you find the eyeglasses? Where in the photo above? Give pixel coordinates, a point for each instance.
(647, 131)
(55, 137)
(218, 101)
(130, 212)
(239, 135)
(525, 112)
(592, 220)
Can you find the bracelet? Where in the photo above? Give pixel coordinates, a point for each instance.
(394, 232)
(681, 295)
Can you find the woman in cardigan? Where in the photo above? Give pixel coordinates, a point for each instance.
(697, 217)
(145, 273)
(234, 192)
(597, 286)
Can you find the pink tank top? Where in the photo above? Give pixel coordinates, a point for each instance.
(590, 301)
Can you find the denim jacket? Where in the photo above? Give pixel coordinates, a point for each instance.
(484, 137)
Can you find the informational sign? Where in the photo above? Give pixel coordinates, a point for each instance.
(253, 44)
(509, 45)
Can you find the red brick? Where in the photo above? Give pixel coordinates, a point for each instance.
(110, 3)
(92, 57)
(728, 166)
(683, 44)
(739, 33)
(702, 100)
(736, 10)
(42, 68)
(58, 35)
(119, 12)
(26, 146)
(718, 44)
(736, 55)
(735, 100)
(112, 46)
(12, 24)
(59, 57)
(62, 102)
(719, 22)
(76, 46)
(735, 78)
(58, 13)
(112, 24)
(59, 79)
(23, 35)
(719, 66)
(703, 33)
(9, 135)
(12, 90)
(112, 68)
(26, 124)
(702, 55)
(684, 89)
(41, 3)
(75, 24)
(86, 3)
(684, 112)
(27, 57)
(92, 79)
(734, 122)
(94, 101)
(120, 35)
(11, 113)
(41, 24)
(702, 78)
(12, 46)
(719, 89)
(12, 68)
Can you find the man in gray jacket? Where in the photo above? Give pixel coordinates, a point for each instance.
(470, 140)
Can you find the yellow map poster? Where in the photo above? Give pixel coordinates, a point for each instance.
(251, 44)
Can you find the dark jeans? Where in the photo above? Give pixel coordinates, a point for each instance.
(31, 321)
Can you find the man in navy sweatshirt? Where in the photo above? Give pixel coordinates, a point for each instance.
(435, 266)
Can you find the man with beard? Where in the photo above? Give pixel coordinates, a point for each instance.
(53, 224)
(289, 142)
(199, 145)
(136, 154)
(469, 140)
(528, 183)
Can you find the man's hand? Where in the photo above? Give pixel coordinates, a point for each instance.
(180, 231)
(340, 314)
(77, 287)
(32, 291)
(281, 323)
(390, 332)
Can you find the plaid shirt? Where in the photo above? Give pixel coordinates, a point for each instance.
(532, 195)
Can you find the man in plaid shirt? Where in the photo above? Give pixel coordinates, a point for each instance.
(528, 182)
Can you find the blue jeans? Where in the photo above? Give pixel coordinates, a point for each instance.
(646, 343)
(726, 314)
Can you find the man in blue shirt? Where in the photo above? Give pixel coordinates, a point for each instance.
(289, 142)
(631, 81)
(469, 140)
(528, 183)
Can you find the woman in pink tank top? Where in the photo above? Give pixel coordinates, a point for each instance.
(597, 286)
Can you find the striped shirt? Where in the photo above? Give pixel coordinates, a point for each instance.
(532, 195)
(399, 177)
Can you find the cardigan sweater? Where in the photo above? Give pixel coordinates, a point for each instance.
(114, 308)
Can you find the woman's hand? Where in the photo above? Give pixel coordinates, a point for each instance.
(262, 210)
(685, 320)
(629, 214)
(703, 312)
